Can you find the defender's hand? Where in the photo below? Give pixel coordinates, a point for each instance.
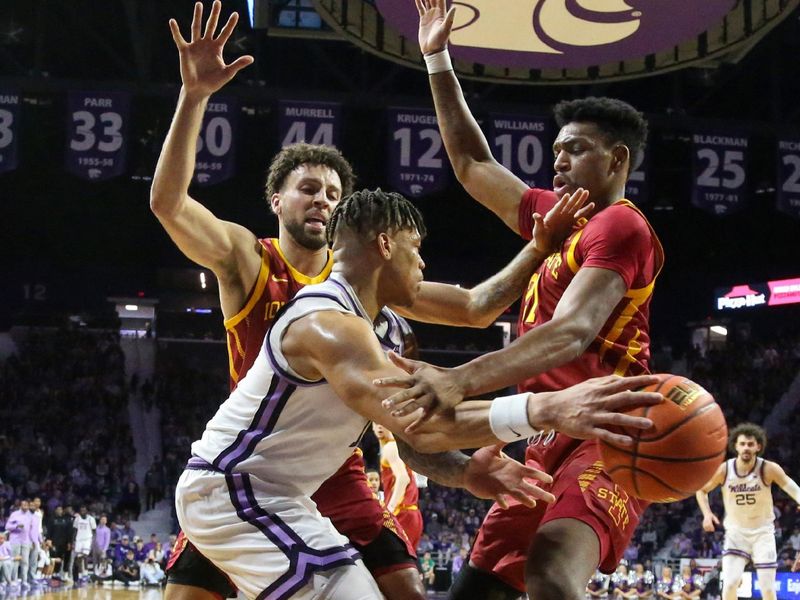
(203, 68)
(435, 24)
(552, 229)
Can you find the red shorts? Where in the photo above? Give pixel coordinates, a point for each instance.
(410, 520)
(583, 491)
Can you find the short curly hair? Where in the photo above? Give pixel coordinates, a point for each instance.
(369, 212)
(617, 120)
(291, 157)
(748, 430)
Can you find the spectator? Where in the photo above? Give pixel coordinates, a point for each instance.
(152, 575)
(102, 541)
(130, 502)
(103, 572)
(128, 570)
(7, 566)
(154, 484)
(122, 550)
(19, 526)
(428, 570)
(45, 562)
(458, 562)
(60, 531)
(151, 545)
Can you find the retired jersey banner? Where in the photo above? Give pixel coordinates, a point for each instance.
(718, 172)
(9, 129)
(522, 145)
(215, 159)
(97, 125)
(636, 187)
(788, 188)
(312, 122)
(417, 162)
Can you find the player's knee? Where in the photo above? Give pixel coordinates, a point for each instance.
(551, 585)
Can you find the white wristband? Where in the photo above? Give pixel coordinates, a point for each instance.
(438, 62)
(508, 418)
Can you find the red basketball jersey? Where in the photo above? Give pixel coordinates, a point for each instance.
(618, 238)
(410, 498)
(277, 283)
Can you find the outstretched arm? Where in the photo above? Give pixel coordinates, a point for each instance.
(710, 520)
(401, 479)
(223, 247)
(482, 176)
(481, 305)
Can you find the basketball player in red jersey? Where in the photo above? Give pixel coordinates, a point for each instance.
(400, 491)
(256, 276)
(585, 314)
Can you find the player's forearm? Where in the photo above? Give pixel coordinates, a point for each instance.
(445, 468)
(537, 351)
(465, 426)
(462, 136)
(792, 490)
(177, 159)
(702, 502)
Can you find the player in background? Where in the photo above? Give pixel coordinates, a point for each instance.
(746, 482)
(374, 482)
(585, 313)
(84, 527)
(400, 492)
(257, 276)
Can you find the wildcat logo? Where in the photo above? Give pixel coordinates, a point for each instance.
(543, 25)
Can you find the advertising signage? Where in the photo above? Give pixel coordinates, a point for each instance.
(749, 295)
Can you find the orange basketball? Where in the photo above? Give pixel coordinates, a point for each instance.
(679, 454)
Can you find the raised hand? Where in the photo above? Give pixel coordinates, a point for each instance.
(595, 408)
(492, 475)
(203, 68)
(552, 229)
(435, 23)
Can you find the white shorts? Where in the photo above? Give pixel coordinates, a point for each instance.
(272, 546)
(83, 547)
(755, 545)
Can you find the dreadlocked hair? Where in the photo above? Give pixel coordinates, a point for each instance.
(617, 120)
(748, 430)
(291, 157)
(369, 212)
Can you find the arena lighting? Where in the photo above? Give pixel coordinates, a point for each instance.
(719, 329)
(202, 280)
(131, 307)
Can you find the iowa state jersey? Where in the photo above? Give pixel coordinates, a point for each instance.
(277, 283)
(747, 497)
(618, 238)
(388, 480)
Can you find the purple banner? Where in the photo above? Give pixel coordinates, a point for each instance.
(636, 187)
(522, 144)
(719, 172)
(312, 122)
(9, 130)
(788, 188)
(97, 125)
(417, 162)
(216, 144)
(560, 34)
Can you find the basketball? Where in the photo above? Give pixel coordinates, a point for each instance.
(679, 453)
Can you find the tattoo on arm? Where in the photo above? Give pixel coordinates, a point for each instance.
(502, 289)
(445, 468)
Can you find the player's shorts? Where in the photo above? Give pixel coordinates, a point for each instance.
(755, 545)
(410, 520)
(187, 566)
(83, 547)
(584, 492)
(270, 544)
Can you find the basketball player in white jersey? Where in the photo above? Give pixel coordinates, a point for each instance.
(244, 499)
(84, 527)
(747, 495)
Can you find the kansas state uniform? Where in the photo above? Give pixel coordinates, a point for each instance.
(749, 527)
(244, 499)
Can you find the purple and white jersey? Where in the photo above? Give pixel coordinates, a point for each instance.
(747, 498)
(276, 419)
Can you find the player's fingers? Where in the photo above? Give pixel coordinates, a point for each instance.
(501, 501)
(424, 416)
(240, 63)
(226, 31)
(630, 399)
(533, 492)
(403, 381)
(585, 211)
(213, 19)
(176, 34)
(197, 19)
(408, 365)
(631, 383)
(573, 201)
(615, 439)
(448, 19)
(420, 8)
(403, 403)
(531, 473)
(622, 420)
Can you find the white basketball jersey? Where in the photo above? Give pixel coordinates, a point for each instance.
(85, 526)
(747, 498)
(280, 427)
